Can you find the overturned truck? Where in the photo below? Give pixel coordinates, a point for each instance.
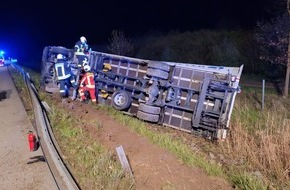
(194, 98)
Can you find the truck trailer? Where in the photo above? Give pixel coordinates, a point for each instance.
(193, 98)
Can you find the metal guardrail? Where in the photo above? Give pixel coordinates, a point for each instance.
(61, 174)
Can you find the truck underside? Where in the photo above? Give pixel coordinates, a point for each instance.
(194, 98)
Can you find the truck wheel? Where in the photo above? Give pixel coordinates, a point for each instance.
(149, 109)
(147, 116)
(61, 50)
(121, 100)
(54, 76)
(157, 73)
(158, 65)
(44, 54)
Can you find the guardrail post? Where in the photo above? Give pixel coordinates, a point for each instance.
(263, 94)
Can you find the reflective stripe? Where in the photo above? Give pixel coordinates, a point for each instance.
(62, 91)
(79, 53)
(90, 86)
(88, 80)
(61, 72)
(64, 77)
(83, 81)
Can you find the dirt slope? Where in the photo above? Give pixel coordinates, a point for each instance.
(152, 166)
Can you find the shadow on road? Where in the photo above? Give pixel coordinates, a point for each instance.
(36, 159)
(5, 94)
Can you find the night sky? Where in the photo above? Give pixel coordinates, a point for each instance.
(28, 26)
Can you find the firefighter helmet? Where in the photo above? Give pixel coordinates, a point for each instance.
(87, 68)
(83, 39)
(59, 56)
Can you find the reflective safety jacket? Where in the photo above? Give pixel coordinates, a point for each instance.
(62, 69)
(88, 80)
(81, 48)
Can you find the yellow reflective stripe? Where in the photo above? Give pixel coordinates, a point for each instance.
(90, 86)
(89, 81)
(79, 53)
(82, 81)
(64, 77)
(57, 66)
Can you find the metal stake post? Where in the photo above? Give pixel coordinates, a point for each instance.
(263, 94)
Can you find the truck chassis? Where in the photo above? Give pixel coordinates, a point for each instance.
(194, 98)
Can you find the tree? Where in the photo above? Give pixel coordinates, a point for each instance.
(274, 39)
(120, 44)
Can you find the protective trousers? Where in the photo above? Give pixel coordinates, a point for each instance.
(64, 86)
(91, 92)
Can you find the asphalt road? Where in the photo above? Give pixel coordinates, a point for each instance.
(20, 169)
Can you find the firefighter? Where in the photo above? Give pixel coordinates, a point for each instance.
(87, 84)
(81, 51)
(63, 73)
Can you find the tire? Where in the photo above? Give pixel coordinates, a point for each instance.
(158, 65)
(147, 117)
(157, 73)
(54, 76)
(44, 54)
(60, 50)
(121, 100)
(149, 109)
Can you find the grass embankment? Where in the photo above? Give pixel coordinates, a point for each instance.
(256, 153)
(259, 145)
(93, 166)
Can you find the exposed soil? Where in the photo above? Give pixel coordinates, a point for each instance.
(153, 167)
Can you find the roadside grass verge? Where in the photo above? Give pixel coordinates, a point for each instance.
(93, 166)
(186, 155)
(182, 151)
(259, 142)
